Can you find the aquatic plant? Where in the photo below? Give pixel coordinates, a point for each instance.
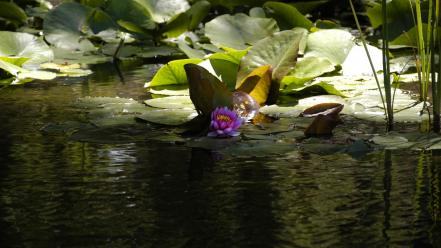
(224, 123)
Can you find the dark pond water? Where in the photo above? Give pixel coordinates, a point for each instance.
(56, 191)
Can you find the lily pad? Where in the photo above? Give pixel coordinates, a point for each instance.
(333, 44)
(172, 73)
(171, 102)
(26, 46)
(63, 27)
(170, 117)
(239, 31)
(279, 50)
(162, 11)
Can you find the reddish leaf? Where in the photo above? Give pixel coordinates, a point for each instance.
(323, 125)
(323, 109)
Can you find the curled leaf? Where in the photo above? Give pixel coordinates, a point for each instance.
(261, 79)
(323, 109)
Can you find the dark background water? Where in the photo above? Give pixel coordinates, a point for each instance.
(59, 192)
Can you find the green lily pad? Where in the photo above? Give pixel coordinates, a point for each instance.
(287, 15)
(63, 27)
(188, 20)
(357, 62)
(279, 50)
(170, 117)
(21, 75)
(162, 11)
(130, 15)
(392, 141)
(333, 44)
(26, 46)
(13, 13)
(171, 102)
(172, 73)
(305, 70)
(239, 31)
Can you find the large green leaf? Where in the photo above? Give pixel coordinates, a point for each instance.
(239, 31)
(64, 27)
(20, 75)
(287, 16)
(333, 44)
(279, 50)
(399, 15)
(188, 20)
(172, 73)
(13, 13)
(24, 45)
(162, 11)
(130, 12)
(307, 69)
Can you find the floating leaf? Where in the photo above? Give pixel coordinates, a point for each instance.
(26, 46)
(239, 31)
(261, 90)
(287, 15)
(172, 73)
(171, 102)
(170, 117)
(188, 20)
(130, 15)
(63, 27)
(279, 50)
(333, 44)
(307, 69)
(162, 11)
(206, 91)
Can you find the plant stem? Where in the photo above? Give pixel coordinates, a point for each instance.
(436, 82)
(386, 69)
(363, 41)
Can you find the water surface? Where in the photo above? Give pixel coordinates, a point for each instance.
(56, 191)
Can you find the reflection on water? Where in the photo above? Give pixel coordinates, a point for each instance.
(55, 191)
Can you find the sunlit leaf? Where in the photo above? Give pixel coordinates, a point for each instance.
(26, 46)
(162, 11)
(279, 50)
(172, 73)
(333, 44)
(188, 20)
(239, 31)
(262, 87)
(63, 27)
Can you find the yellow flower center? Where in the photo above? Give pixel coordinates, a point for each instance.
(224, 118)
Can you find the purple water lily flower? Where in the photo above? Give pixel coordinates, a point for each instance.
(224, 123)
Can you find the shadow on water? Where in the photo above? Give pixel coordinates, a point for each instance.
(59, 192)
